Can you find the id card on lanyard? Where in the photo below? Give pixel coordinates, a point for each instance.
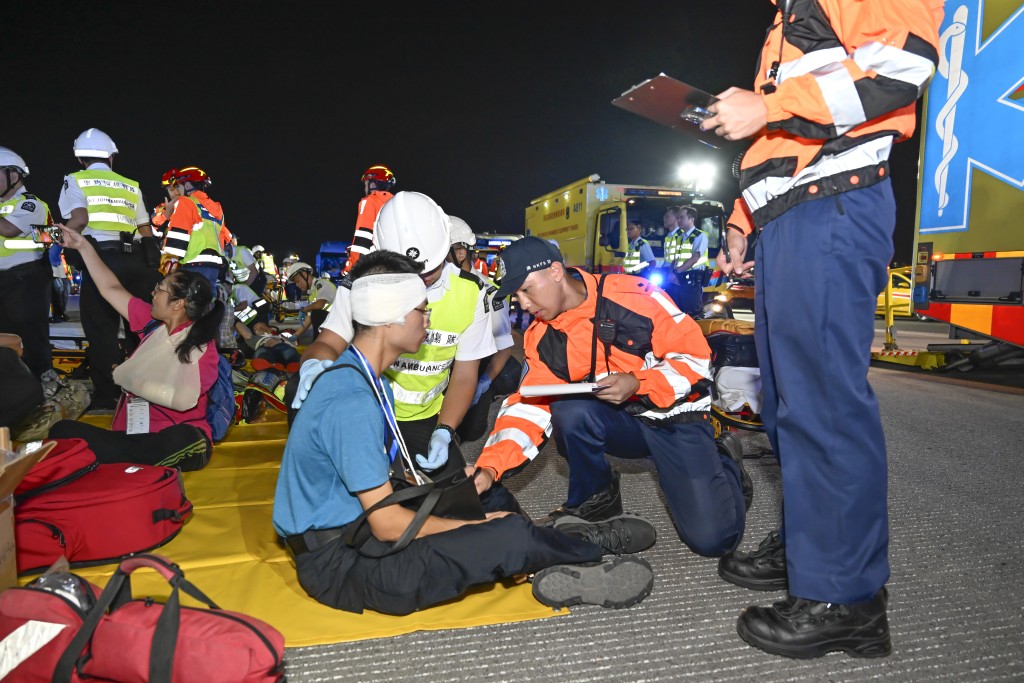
(138, 416)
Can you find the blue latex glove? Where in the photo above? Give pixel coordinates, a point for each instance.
(481, 386)
(437, 452)
(307, 373)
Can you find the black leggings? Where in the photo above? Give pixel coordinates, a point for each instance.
(182, 446)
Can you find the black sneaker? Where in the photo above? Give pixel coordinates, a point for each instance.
(615, 583)
(623, 534)
(731, 446)
(762, 570)
(805, 629)
(600, 506)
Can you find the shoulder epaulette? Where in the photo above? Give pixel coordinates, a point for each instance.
(472, 278)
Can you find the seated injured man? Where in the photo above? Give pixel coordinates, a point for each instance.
(343, 451)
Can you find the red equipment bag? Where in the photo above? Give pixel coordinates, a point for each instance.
(38, 622)
(143, 640)
(94, 514)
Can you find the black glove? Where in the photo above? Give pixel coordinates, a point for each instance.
(150, 252)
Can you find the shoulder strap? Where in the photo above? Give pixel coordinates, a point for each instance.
(598, 310)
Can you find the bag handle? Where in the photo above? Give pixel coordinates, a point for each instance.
(116, 594)
(358, 532)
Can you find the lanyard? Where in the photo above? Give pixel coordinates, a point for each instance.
(389, 415)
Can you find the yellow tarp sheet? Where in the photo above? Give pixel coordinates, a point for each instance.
(229, 550)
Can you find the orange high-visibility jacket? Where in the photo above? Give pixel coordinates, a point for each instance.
(840, 83)
(661, 346)
(362, 240)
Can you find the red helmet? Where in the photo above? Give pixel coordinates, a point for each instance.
(192, 174)
(169, 178)
(381, 177)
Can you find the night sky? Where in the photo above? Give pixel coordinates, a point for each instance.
(482, 106)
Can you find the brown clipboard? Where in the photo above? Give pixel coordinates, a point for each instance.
(671, 103)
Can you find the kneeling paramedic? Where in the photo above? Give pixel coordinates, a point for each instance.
(651, 363)
(345, 446)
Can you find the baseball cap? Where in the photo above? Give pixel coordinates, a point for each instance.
(522, 257)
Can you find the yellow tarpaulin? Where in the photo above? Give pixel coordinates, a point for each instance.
(229, 550)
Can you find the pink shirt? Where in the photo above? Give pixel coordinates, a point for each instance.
(140, 314)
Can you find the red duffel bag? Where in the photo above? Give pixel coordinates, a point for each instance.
(141, 640)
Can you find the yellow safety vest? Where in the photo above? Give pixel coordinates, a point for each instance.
(9, 246)
(112, 200)
(419, 379)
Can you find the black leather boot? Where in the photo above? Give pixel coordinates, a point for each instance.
(806, 629)
(600, 506)
(762, 570)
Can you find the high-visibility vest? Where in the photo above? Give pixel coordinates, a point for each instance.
(671, 247)
(684, 250)
(112, 200)
(631, 263)
(19, 245)
(419, 379)
(204, 235)
(322, 286)
(251, 310)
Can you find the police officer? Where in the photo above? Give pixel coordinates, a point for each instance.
(319, 291)
(639, 257)
(24, 271)
(107, 208)
(689, 261)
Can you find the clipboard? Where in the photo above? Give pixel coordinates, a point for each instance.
(559, 389)
(672, 103)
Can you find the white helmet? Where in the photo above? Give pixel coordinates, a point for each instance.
(94, 144)
(9, 159)
(411, 223)
(462, 233)
(258, 249)
(296, 267)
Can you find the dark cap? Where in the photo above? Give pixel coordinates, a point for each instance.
(521, 258)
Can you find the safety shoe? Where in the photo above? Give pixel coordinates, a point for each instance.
(762, 570)
(600, 506)
(619, 535)
(615, 583)
(731, 446)
(805, 629)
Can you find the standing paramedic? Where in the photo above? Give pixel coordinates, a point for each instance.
(652, 364)
(836, 88)
(107, 209)
(196, 224)
(343, 449)
(378, 181)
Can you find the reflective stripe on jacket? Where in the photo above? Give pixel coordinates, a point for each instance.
(111, 199)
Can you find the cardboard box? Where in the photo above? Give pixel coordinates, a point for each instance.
(13, 468)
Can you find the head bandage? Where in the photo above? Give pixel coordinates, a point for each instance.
(386, 298)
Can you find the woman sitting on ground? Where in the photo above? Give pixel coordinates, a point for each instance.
(161, 416)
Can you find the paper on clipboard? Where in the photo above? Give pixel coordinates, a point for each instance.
(559, 389)
(671, 103)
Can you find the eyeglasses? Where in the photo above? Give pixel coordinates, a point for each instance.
(425, 311)
(158, 288)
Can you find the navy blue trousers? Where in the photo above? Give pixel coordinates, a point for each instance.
(820, 267)
(702, 488)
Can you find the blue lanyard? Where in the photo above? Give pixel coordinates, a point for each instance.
(397, 443)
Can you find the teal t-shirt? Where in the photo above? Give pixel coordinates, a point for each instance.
(335, 449)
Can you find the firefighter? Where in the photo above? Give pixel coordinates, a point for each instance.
(474, 424)
(837, 87)
(25, 271)
(320, 292)
(378, 181)
(639, 257)
(195, 225)
(107, 209)
(651, 365)
(434, 386)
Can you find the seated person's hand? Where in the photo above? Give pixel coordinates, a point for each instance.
(483, 477)
(307, 373)
(617, 387)
(437, 451)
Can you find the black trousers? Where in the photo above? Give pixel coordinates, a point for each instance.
(100, 321)
(438, 567)
(183, 446)
(22, 391)
(25, 311)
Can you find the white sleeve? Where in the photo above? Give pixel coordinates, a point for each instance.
(339, 318)
(71, 198)
(501, 323)
(478, 340)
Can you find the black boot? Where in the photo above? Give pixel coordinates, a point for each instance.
(600, 506)
(762, 570)
(806, 629)
(731, 446)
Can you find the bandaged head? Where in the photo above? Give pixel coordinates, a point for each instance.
(386, 298)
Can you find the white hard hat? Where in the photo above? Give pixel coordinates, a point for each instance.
(295, 268)
(461, 232)
(94, 143)
(411, 223)
(258, 248)
(8, 159)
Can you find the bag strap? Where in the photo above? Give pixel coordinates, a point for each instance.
(116, 594)
(598, 310)
(358, 532)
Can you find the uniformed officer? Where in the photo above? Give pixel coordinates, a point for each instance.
(639, 257)
(24, 271)
(107, 208)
